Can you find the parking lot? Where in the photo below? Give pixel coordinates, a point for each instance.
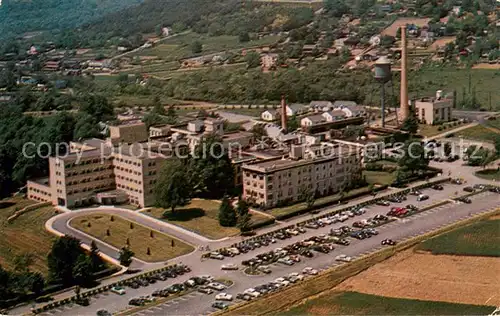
(399, 229)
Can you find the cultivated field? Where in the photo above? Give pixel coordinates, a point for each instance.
(423, 276)
(480, 133)
(478, 239)
(26, 234)
(354, 303)
(393, 28)
(139, 237)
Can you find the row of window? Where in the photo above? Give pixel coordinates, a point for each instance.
(41, 192)
(126, 187)
(75, 173)
(96, 188)
(129, 179)
(37, 198)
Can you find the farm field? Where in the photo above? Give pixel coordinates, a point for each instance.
(199, 216)
(26, 234)
(478, 239)
(355, 303)
(428, 277)
(140, 238)
(179, 47)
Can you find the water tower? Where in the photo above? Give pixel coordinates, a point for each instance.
(383, 75)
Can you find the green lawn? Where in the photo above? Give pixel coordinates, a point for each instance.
(282, 211)
(379, 177)
(355, 303)
(140, 238)
(26, 234)
(200, 216)
(478, 239)
(485, 81)
(429, 130)
(489, 174)
(479, 133)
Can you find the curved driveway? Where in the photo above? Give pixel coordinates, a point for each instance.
(60, 224)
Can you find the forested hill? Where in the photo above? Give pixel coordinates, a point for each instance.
(215, 17)
(19, 16)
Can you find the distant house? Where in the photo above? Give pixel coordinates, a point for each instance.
(312, 120)
(269, 115)
(353, 111)
(296, 109)
(332, 116)
(26, 80)
(386, 8)
(341, 103)
(268, 61)
(321, 106)
(52, 66)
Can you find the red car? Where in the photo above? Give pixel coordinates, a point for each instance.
(397, 211)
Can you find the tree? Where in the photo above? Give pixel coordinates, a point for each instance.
(497, 144)
(336, 8)
(98, 107)
(243, 37)
(23, 262)
(259, 132)
(82, 271)
(63, 258)
(196, 47)
(173, 188)
(252, 59)
(125, 257)
(227, 214)
(410, 124)
(242, 207)
(95, 260)
(387, 41)
(244, 223)
(447, 149)
(210, 169)
(86, 127)
(157, 106)
(171, 115)
(414, 158)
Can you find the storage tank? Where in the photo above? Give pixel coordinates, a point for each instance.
(383, 69)
(439, 94)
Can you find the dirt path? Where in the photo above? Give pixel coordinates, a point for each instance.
(456, 279)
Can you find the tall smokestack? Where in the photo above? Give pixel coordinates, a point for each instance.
(404, 107)
(283, 113)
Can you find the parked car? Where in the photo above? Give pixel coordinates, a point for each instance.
(388, 242)
(415, 192)
(310, 271)
(264, 269)
(380, 217)
(103, 312)
(383, 203)
(312, 225)
(118, 290)
(343, 258)
(469, 189)
(464, 200)
(245, 297)
(220, 305)
(252, 292)
(229, 266)
(224, 297)
(422, 197)
(205, 290)
(216, 255)
(216, 286)
(437, 187)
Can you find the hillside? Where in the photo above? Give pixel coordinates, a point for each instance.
(20, 16)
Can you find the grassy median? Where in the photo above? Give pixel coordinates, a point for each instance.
(148, 245)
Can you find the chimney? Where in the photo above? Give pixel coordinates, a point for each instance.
(283, 113)
(404, 107)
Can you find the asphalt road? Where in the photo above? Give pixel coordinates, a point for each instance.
(197, 303)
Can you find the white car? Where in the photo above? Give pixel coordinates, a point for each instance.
(207, 277)
(118, 290)
(224, 297)
(343, 258)
(343, 218)
(229, 266)
(299, 276)
(292, 232)
(310, 271)
(234, 250)
(252, 292)
(281, 281)
(349, 213)
(216, 286)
